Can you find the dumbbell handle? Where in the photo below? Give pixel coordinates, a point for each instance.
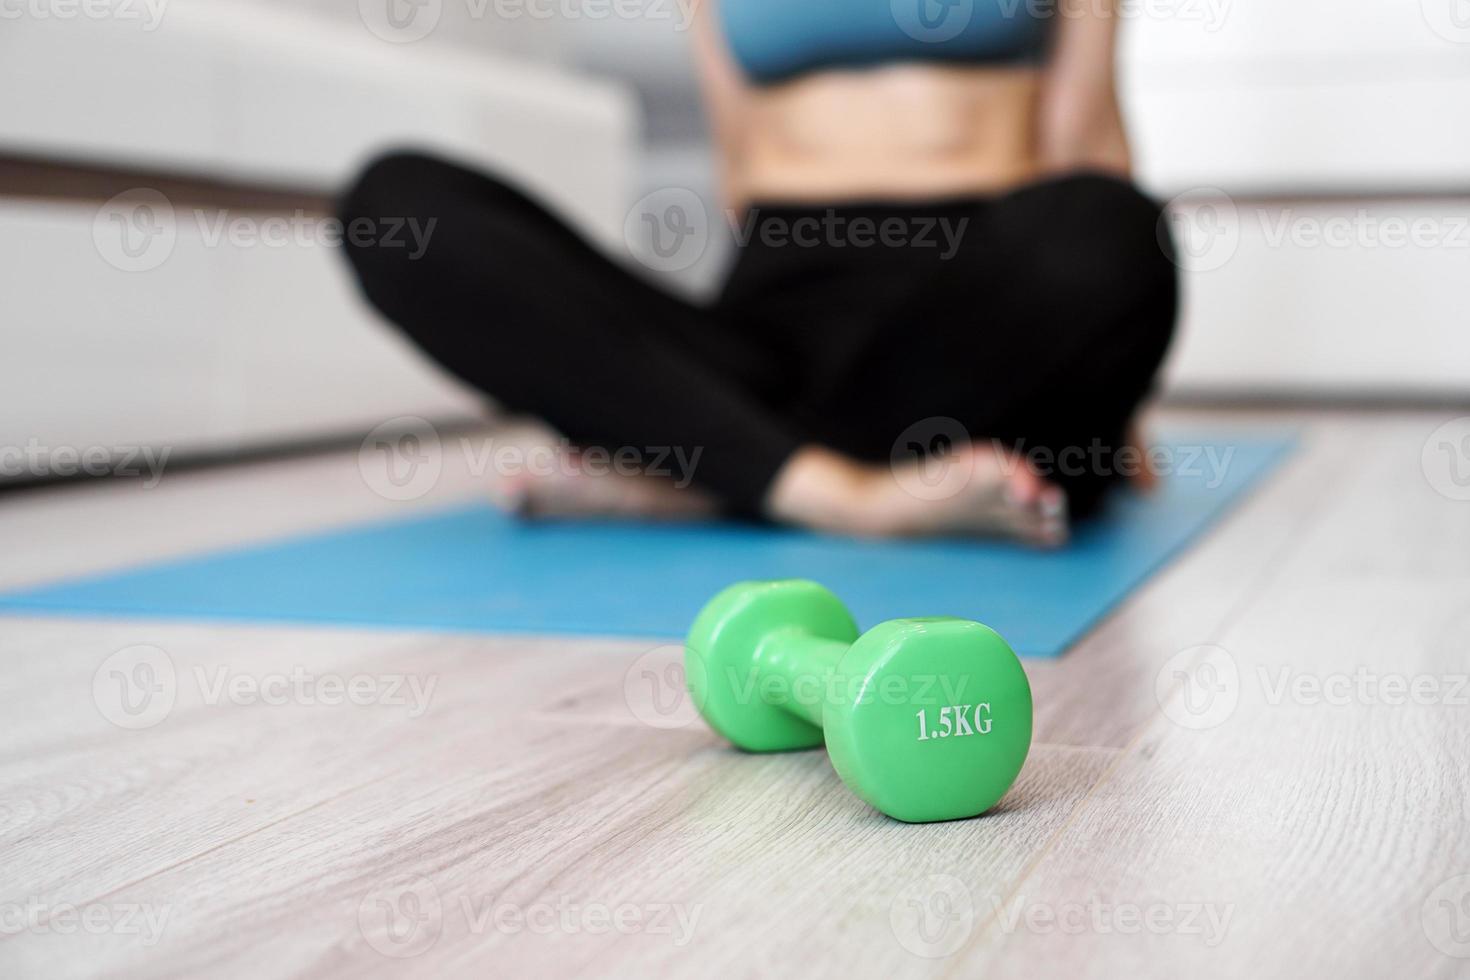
(795, 656)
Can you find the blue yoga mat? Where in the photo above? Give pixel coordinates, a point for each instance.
(473, 569)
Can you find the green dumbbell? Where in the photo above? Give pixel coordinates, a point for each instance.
(925, 719)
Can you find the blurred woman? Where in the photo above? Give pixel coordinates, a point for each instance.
(942, 263)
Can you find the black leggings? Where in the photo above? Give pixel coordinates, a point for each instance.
(1037, 318)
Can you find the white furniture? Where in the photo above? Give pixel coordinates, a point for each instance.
(228, 343)
(1341, 133)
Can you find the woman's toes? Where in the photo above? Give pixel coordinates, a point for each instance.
(511, 494)
(1053, 503)
(1024, 487)
(1043, 520)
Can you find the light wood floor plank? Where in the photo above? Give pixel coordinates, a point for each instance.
(497, 795)
(561, 777)
(1319, 831)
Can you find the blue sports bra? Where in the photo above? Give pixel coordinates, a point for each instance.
(775, 40)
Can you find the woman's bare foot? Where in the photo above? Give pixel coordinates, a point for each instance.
(550, 478)
(972, 490)
(975, 490)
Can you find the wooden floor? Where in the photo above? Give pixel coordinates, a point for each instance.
(511, 806)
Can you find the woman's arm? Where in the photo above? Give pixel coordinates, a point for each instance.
(726, 98)
(1080, 126)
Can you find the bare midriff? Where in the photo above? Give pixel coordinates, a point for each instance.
(905, 132)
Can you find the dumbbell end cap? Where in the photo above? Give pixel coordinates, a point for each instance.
(941, 722)
(720, 653)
